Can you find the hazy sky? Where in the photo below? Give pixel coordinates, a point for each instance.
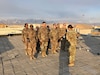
(76, 10)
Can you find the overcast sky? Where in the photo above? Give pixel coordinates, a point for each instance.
(76, 10)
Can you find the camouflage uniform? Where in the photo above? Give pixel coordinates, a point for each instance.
(37, 41)
(54, 39)
(49, 44)
(59, 36)
(25, 38)
(43, 36)
(32, 43)
(72, 39)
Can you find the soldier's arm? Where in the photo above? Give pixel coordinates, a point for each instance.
(75, 35)
(23, 38)
(78, 35)
(36, 36)
(39, 34)
(62, 33)
(50, 36)
(67, 36)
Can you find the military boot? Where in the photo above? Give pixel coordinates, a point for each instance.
(31, 58)
(71, 64)
(34, 57)
(43, 55)
(55, 51)
(26, 52)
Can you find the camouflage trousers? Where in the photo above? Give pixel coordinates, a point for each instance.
(58, 44)
(72, 53)
(54, 45)
(31, 48)
(26, 45)
(43, 47)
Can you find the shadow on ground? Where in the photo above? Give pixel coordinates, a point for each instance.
(5, 44)
(92, 43)
(63, 59)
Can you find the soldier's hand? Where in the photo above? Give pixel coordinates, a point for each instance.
(23, 41)
(40, 43)
(61, 39)
(63, 36)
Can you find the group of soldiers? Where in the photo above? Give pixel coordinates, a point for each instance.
(49, 38)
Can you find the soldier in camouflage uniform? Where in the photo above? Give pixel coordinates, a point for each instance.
(25, 37)
(63, 35)
(32, 43)
(49, 44)
(59, 39)
(43, 36)
(72, 39)
(37, 42)
(54, 39)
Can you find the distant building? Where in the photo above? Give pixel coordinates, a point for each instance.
(84, 28)
(3, 26)
(96, 26)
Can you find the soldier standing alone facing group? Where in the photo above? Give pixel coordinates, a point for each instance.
(72, 39)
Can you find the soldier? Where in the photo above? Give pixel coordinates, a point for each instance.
(54, 39)
(63, 35)
(32, 43)
(43, 36)
(59, 39)
(25, 37)
(48, 28)
(72, 39)
(49, 44)
(37, 42)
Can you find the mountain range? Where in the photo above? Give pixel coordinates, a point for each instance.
(36, 21)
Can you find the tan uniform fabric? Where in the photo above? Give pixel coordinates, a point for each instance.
(43, 36)
(25, 37)
(32, 43)
(59, 34)
(72, 39)
(54, 39)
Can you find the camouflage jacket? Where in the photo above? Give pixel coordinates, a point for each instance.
(72, 37)
(59, 30)
(63, 32)
(32, 35)
(25, 33)
(54, 35)
(43, 34)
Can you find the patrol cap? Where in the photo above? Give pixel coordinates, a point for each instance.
(64, 24)
(31, 25)
(70, 26)
(54, 24)
(25, 24)
(43, 22)
(58, 24)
